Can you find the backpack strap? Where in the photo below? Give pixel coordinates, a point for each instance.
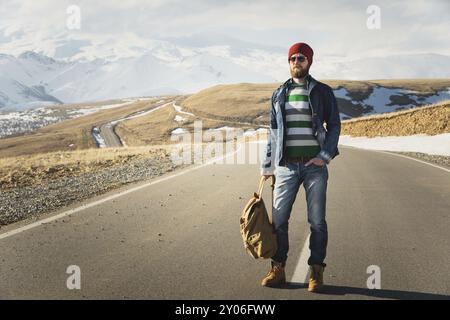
(260, 190)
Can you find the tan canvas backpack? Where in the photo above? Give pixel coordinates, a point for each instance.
(256, 226)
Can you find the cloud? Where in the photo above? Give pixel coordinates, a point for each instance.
(332, 28)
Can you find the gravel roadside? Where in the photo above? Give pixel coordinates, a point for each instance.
(443, 161)
(31, 201)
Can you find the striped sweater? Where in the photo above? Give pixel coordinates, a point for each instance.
(300, 140)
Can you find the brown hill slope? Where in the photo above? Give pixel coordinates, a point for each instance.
(251, 102)
(430, 120)
(60, 136)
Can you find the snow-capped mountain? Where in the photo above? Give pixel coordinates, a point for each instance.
(170, 66)
(32, 79)
(22, 79)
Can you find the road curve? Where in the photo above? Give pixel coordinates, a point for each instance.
(107, 130)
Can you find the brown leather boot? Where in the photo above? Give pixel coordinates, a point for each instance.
(316, 278)
(276, 276)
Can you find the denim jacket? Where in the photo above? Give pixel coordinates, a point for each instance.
(324, 110)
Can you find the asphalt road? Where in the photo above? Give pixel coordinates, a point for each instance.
(107, 130)
(179, 238)
(109, 136)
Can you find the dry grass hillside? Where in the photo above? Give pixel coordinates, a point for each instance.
(423, 86)
(60, 136)
(241, 105)
(29, 170)
(87, 104)
(149, 129)
(251, 102)
(360, 90)
(157, 127)
(430, 120)
(238, 102)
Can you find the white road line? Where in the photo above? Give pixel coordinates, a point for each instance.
(301, 272)
(92, 204)
(411, 158)
(302, 269)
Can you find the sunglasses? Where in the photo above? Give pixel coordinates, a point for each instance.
(299, 58)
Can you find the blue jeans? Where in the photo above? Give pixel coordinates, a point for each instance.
(287, 182)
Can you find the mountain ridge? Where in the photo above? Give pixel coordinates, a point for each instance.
(170, 69)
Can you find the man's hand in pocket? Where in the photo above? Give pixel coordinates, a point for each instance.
(317, 161)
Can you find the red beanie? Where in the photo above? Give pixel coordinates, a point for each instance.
(302, 48)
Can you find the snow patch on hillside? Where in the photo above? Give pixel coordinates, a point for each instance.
(437, 145)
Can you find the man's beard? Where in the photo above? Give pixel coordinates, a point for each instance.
(299, 72)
